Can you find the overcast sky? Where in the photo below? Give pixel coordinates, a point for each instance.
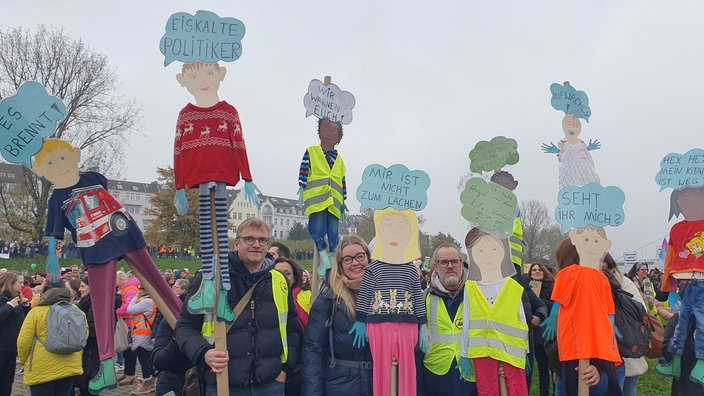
(430, 81)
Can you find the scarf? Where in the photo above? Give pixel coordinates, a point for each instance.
(350, 283)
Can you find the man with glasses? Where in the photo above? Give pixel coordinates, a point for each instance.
(263, 342)
(439, 374)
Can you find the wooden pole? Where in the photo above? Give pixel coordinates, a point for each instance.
(223, 382)
(503, 386)
(314, 278)
(393, 380)
(583, 387)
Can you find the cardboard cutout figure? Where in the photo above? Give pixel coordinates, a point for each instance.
(321, 178)
(684, 262)
(390, 305)
(209, 154)
(576, 164)
(104, 233)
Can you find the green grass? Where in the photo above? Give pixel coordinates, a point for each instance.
(25, 265)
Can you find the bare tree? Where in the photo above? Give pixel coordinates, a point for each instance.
(541, 234)
(96, 118)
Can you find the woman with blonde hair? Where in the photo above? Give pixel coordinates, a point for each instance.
(332, 365)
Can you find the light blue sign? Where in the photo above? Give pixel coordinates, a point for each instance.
(571, 101)
(493, 155)
(681, 170)
(328, 102)
(488, 205)
(592, 204)
(25, 119)
(203, 36)
(396, 187)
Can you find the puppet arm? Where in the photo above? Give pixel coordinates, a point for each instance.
(673, 299)
(423, 339)
(617, 332)
(181, 202)
(550, 148)
(300, 195)
(343, 212)
(52, 262)
(359, 329)
(549, 325)
(594, 145)
(465, 367)
(250, 191)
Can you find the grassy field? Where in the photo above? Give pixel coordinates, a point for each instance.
(650, 383)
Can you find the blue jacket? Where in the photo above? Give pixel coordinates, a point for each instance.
(318, 377)
(168, 360)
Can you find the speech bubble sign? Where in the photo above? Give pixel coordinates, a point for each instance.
(488, 205)
(591, 204)
(328, 102)
(493, 155)
(571, 101)
(203, 36)
(396, 187)
(681, 170)
(25, 119)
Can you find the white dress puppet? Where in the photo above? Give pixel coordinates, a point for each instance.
(390, 307)
(576, 164)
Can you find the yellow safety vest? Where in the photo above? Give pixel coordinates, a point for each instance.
(445, 336)
(303, 300)
(324, 188)
(279, 289)
(497, 331)
(516, 242)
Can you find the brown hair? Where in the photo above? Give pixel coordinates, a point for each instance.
(547, 274)
(297, 271)
(7, 279)
(337, 286)
(566, 254)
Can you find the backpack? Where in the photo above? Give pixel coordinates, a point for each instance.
(66, 330)
(632, 321)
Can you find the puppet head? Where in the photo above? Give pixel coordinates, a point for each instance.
(202, 80)
(572, 128)
(330, 133)
(689, 202)
(591, 244)
(57, 161)
(489, 256)
(396, 236)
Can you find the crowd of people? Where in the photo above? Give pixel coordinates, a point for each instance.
(282, 344)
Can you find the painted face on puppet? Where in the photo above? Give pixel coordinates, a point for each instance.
(572, 128)
(488, 253)
(591, 246)
(691, 203)
(202, 79)
(394, 232)
(329, 133)
(60, 167)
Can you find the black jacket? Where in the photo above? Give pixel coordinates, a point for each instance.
(317, 377)
(10, 323)
(168, 360)
(253, 342)
(91, 359)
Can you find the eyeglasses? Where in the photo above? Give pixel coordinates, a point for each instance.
(445, 263)
(360, 257)
(249, 240)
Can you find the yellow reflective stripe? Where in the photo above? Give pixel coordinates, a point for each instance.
(498, 345)
(500, 327)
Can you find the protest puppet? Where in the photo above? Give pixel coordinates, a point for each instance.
(390, 307)
(102, 229)
(209, 149)
(322, 188)
(576, 164)
(494, 327)
(684, 263)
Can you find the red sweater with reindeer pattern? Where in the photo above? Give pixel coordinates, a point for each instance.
(209, 146)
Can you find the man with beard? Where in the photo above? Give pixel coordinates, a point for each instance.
(439, 374)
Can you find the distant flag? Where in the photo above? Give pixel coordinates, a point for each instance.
(663, 250)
